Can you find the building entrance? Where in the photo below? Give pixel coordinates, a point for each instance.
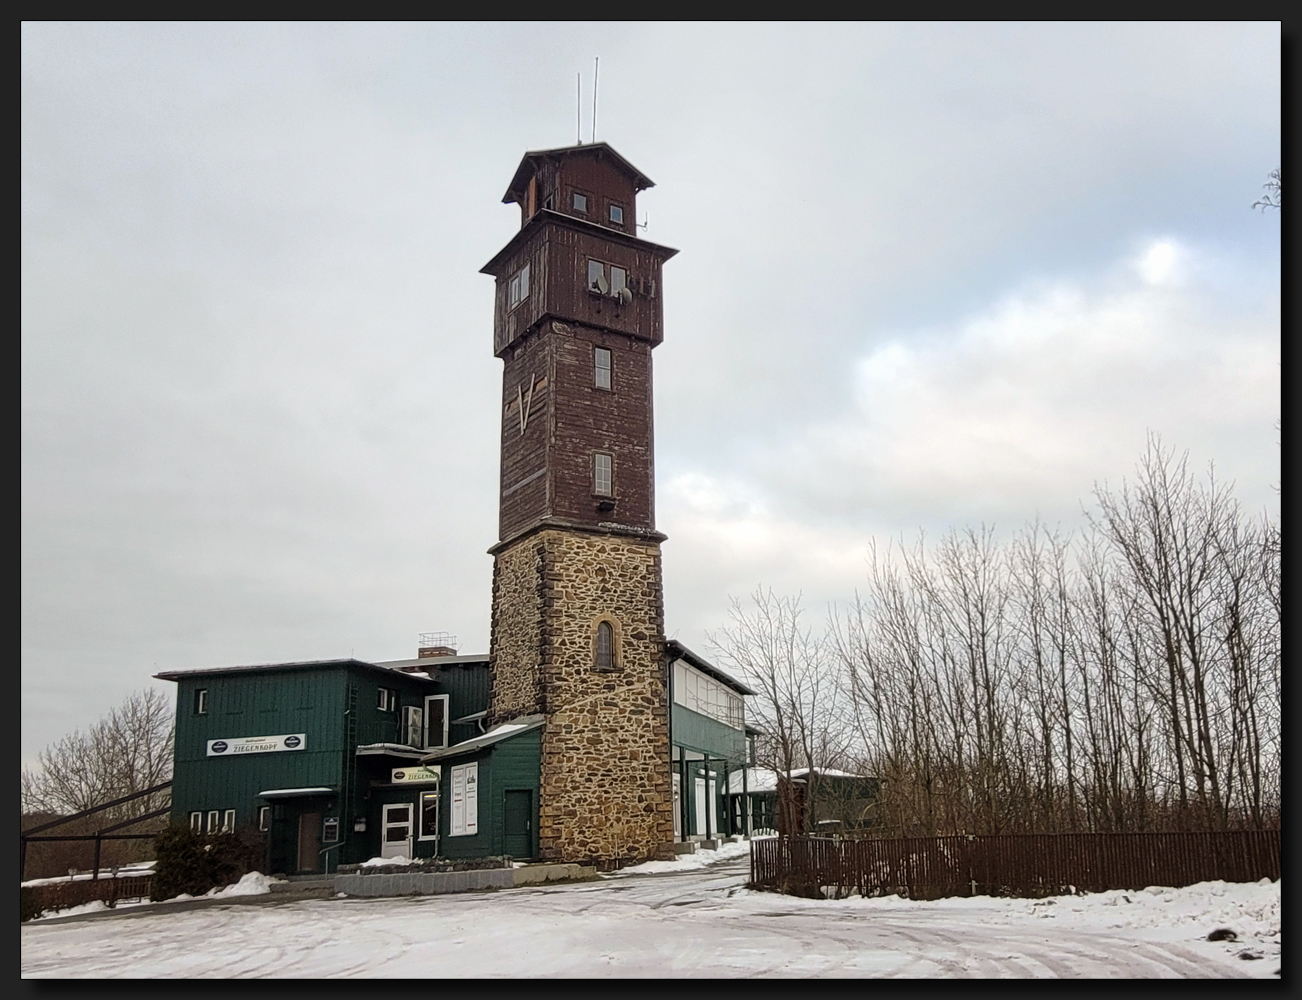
(309, 842)
(396, 831)
(518, 831)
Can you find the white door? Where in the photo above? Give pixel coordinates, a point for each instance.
(699, 823)
(713, 795)
(395, 831)
(705, 800)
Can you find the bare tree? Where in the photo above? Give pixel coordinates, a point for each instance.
(800, 698)
(1273, 186)
(126, 752)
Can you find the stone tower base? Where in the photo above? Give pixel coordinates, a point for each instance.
(605, 745)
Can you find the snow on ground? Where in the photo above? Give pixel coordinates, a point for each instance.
(686, 862)
(698, 922)
(250, 884)
(125, 871)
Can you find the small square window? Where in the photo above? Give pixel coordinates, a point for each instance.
(388, 700)
(601, 475)
(264, 818)
(580, 203)
(201, 701)
(616, 215)
(601, 367)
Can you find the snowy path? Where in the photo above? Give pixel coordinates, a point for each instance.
(697, 923)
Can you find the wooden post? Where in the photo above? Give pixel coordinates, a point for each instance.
(94, 877)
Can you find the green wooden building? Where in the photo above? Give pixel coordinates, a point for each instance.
(324, 758)
(338, 761)
(709, 746)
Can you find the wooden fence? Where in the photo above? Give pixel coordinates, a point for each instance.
(60, 895)
(1014, 865)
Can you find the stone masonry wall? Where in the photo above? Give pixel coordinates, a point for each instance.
(605, 745)
(515, 641)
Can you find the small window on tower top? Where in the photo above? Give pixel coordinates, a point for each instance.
(580, 203)
(616, 215)
(601, 367)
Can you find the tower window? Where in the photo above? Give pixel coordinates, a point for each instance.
(616, 215)
(518, 288)
(596, 276)
(601, 475)
(580, 203)
(618, 280)
(601, 367)
(201, 701)
(605, 658)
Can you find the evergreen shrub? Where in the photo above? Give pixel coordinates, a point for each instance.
(192, 863)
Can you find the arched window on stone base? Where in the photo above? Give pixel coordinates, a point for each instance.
(605, 646)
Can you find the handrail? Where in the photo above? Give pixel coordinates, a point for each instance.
(88, 812)
(324, 851)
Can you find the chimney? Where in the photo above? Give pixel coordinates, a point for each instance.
(435, 644)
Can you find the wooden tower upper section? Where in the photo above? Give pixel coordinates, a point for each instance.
(578, 309)
(577, 257)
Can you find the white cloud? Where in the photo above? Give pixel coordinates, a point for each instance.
(1013, 412)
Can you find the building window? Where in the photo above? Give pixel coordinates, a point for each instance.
(616, 215)
(201, 701)
(601, 475)
(597, 277)
(413, 725)
(518, 288)
(436, 720)
(196, 822)
(264, 818)
(601, 367)
(618, 280)
(214, 820)
(330, 830)
(706, 696)
(429, 815)
(388, 700)
(580, 203)
(228, 821)
(605, 646)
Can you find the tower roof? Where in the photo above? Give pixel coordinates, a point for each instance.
(515, 191)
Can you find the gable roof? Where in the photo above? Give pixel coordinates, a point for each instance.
(515, 190)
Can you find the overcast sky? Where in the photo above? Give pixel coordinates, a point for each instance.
(930, 276)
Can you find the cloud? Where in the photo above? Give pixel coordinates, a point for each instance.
(1015, 411)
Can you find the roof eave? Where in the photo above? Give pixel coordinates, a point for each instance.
(583, 225)
(520, 178)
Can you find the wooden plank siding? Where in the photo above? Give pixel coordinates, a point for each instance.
(262, 703)
(705, 735)
(513, 764)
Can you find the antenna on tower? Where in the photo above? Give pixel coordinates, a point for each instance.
(578, 108)
(596, 65)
